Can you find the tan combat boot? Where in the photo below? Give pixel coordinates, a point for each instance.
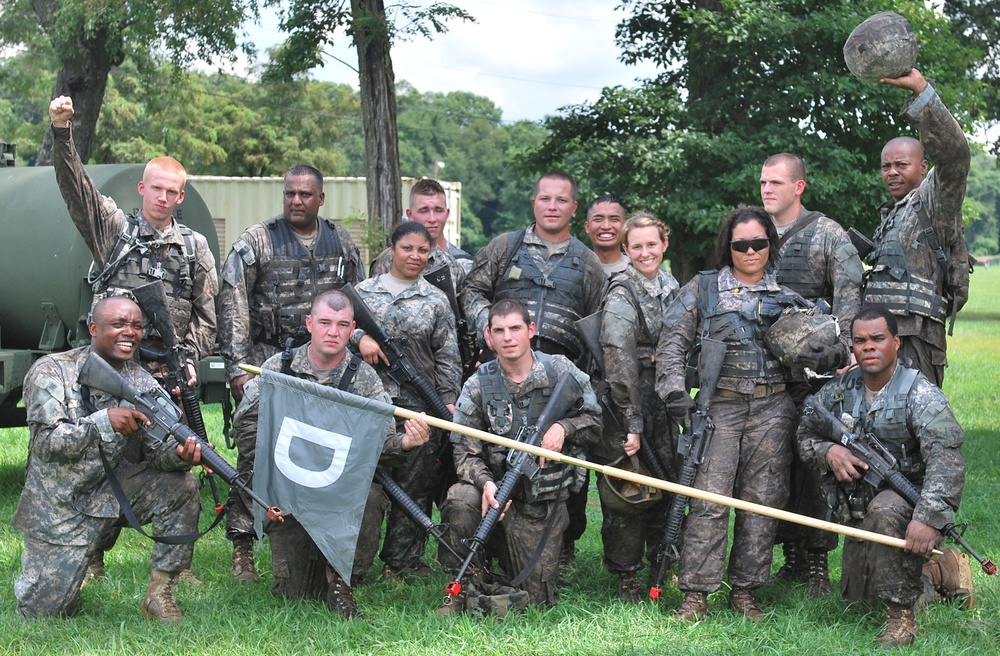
(819, 574)
(741, 600)
(243, 566)
(951, 575)
(693, 608)
(900, 628)
(628, 588)
(95, 570)
(160, 603)
(340, 596)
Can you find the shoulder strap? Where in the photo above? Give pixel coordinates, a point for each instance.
(808, 220)
(514, 241)
(630, 288)
(348, 377)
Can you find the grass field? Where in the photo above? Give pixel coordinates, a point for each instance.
(223, 617)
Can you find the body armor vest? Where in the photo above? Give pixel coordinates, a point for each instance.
(552, 300)
(290, 281)
(891, 283)
(794, 269)
(508, 418)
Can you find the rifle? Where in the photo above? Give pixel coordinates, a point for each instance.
(589, 328)
(692, 447)
(882, 469)
(401, 368)
(861, 242)
(468, 341)
(567, 391)
(165, 420)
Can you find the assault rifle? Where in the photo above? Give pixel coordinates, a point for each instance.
(882, 469)
(692, 447)
(520, 463)
(165, 420)
(468, 341)
(401, 368)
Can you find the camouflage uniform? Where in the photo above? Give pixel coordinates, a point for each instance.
(265, 296)
(298, 572)
(750, 452)
(631, 373)
(818, 261)
(188, 274)
(478, 462)
(438, 258)
(67, 503)
(913, 420)
(905, 275)
(462, 257)
(421, 319)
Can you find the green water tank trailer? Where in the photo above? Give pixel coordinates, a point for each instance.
(44, 295)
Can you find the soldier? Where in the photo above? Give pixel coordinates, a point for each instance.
(750, 452)
(269, 280)
(605, 218)
(920, 262)
(67, 503)
(911, 417)
(324, 359)
(130, 251)
(818, 261)
(501, 397)
(556, 277)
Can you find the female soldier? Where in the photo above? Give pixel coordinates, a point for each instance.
(416, 314)
(750, 451)
(633, 308)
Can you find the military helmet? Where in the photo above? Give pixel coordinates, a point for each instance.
(884, 45)
(800, 331)
(625, 497)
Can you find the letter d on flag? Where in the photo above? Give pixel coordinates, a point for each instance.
(317, 449)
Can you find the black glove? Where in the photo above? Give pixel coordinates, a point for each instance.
(824, 360)
(679, 404)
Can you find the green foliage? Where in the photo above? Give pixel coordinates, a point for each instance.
(25, 84)
(983, 204)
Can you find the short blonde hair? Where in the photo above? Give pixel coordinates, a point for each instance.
(644, 220)
(168, 164)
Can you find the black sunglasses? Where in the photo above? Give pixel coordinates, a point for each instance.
(743, 245)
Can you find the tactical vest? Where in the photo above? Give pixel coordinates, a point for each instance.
(890, 281)
(553, 300)
(794, 269)
(747, 356)
(290, 281)
(134, 261)
(508, 417)
(889, 422)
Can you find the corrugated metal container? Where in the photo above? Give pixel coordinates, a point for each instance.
(238, 203)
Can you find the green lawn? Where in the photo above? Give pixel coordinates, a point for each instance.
(225, 618)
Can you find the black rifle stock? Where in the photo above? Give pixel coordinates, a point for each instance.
(567, 391)
(165, 420)
(468, 341)
(401, 369)
(881, 468)
(691, 446)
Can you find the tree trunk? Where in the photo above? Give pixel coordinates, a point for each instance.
(378, 110)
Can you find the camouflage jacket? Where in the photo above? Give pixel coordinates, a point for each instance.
(65, 483)
(472, 456)
(481, 284)
(629, 347)
(941, 192)
(421, 319)
(928, 419)
(101, 223)
(247, 262)
(365, 383)
(438, 258)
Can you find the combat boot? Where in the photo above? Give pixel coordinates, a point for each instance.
(900, 628)
(160, 603)
(340, 596)
(243, 566)
(95, 570)
(628, 588)
(693, 608)
(741, 600)
(795, 568)
(819, 574)
(951, 575)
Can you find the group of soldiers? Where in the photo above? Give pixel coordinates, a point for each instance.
(280, 306)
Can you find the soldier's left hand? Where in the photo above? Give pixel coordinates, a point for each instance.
(553, 440)
(920, 538)
(417, 433)
(631, 444)
(190, 451)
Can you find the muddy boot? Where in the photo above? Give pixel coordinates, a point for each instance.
(819, 574)
(95, 570)
(900, 628)
(160, 603)
(795, 568)
(693, 608)
(741, 600)
(243, 566)
(951, 575)
(340, 597)
(628, 588)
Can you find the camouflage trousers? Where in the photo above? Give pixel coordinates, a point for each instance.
(517, 538)
(405, 541)
(748, 458)
(926, 357)
(51, 574)
(627, 538)
(300, 569)
(239, 507)
(874, 572)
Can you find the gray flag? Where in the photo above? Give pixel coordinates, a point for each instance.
(317, 448)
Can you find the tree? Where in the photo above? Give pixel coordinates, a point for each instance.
(744, 80)
(983, 202)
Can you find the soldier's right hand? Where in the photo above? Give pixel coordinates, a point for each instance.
(371, 352)
(490, 490)
(236, 386)
(679, 403)
(61, 111)
(845, 465)
(127, 420)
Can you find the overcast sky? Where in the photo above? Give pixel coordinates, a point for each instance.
(529, 58)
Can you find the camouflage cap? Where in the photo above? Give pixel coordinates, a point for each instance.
(798, 332)
(625, 497)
